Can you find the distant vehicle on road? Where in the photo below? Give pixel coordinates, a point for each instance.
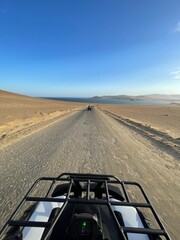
(89, 108)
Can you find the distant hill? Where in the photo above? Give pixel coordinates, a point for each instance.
(142, 97)
(11, 95)
(160, 96)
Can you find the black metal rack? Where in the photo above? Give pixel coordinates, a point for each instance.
(88, 179)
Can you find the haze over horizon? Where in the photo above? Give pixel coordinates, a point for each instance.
(82, 49)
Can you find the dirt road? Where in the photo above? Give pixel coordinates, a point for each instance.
(91, 142)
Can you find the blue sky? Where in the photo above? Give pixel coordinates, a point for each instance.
(82, 48)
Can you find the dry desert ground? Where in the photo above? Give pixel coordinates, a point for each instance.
(20, 115)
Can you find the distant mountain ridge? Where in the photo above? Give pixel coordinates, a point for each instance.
(142, 97)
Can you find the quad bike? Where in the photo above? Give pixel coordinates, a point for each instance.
(89, 108)
(84, 207)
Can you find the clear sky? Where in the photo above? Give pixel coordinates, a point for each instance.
(82, 48)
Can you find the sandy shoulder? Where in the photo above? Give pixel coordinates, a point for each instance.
(164, 118)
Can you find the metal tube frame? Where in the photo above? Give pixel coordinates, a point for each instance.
(88, 179)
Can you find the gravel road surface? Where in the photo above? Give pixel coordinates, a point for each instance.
(91, 142)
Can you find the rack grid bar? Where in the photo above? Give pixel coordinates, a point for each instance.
(143, 231)
(29, 223)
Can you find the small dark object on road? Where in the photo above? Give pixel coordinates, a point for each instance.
(89, 108)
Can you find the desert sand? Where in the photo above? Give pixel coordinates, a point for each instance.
(20, 115)
(164, 118)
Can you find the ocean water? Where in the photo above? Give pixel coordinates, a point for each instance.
(113, 101)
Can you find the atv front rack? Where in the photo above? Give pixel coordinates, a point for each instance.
(88, 179)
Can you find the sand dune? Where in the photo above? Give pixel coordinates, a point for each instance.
(19, 114)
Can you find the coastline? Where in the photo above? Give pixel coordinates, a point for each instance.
(117, 101)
